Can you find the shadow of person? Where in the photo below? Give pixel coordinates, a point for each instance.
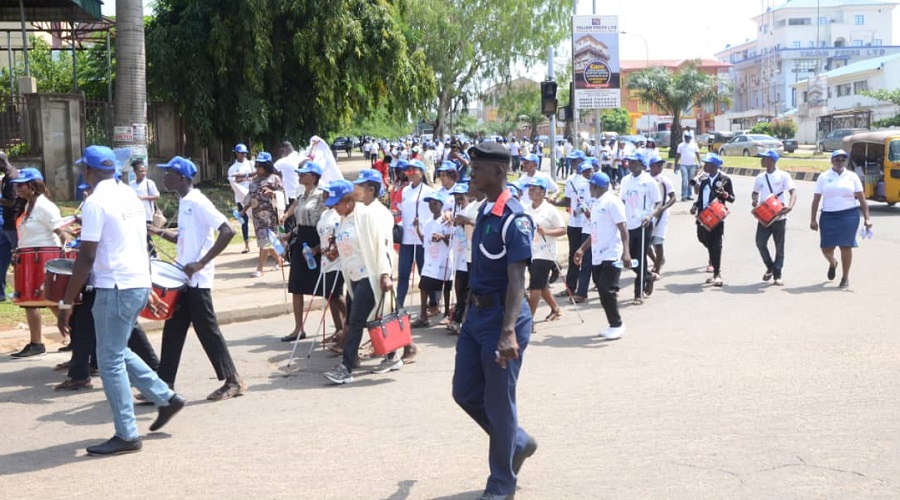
(403, 490)
(86, 414)
(469, 495)
(43, 459)
(677, 288)
(816, 288)
(746, 289)
(581, 341)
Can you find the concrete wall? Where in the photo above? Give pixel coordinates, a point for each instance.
(54, 124)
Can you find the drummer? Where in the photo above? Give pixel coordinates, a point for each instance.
(715, 186)
(198, 220)
(773, 182)
(39, 226)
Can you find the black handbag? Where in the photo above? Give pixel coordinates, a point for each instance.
(398, 234)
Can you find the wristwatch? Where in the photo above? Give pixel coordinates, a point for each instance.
(63, 306)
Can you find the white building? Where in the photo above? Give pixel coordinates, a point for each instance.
(796, 40)
(845, 106)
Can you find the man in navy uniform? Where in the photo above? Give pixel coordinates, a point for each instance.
(497, 325)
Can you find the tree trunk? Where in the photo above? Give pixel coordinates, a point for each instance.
(131, 80)
(675, 134)
(442, 112)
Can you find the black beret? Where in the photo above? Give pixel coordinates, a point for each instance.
(490, 150)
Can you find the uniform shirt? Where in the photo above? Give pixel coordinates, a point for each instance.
(437, 253)
(36, 230)
(688, 152)
(578, 191)
(639, 194)
(606, 243)
(554, 187)
(244, 168)
(413, 204)
(289, 176)
(838, 190)
(146, 188)
(781, 182)
(113, 217)
(328, 224)
(198, 221)
(490, 255)
(349, 248)
(546, 216)
(667, 188)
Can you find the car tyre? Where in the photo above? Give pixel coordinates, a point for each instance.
(722, 152)
(746, 152)
(821, 147)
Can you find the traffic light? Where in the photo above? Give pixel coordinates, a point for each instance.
(548, 98)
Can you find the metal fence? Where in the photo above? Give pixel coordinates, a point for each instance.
(12, 125)
(98, 122)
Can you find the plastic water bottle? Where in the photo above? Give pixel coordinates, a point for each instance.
(634, 263)
(237, 214)
(276, 243)
(308, 255)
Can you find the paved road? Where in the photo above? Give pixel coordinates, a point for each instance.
(748, 391)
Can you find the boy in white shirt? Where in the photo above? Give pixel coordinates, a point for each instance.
(658, 237)
(436, 272)
(642, 199)
(148, 193)
(773, 182)
(239, 174)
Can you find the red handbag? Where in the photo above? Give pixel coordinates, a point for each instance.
(391, 332)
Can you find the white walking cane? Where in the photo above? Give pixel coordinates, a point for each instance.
(312, 345)
(305, 316)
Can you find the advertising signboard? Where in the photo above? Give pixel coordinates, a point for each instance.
(595, 62)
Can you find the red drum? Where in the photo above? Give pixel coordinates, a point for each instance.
(168, 282)
(29, 269)
(769, 210)
(57, 274)
(713, 215)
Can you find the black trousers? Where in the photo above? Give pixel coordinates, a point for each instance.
(776, 232)
(84, 341)
(461, 283)
(606, 279)
(712, 240)
(194, 308)
(639, 252)
(358, 310)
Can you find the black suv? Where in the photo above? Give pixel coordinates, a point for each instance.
(342, 144)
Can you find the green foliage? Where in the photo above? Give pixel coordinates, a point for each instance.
(275, 69)
(520, 105)
(20, 149)
(891, 96)
(472, 41)
(780, 129)
(673, 92)
(616, 120)
(53, 68)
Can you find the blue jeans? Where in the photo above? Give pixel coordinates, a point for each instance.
(687, 173)
(9, 239)
(115, 312)
(245, 230)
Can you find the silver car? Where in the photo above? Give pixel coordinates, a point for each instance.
(750, 145)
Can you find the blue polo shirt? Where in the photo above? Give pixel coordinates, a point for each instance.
(491, 252)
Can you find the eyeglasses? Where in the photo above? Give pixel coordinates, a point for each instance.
(840, 158)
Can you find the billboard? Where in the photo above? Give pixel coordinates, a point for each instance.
(595, 62)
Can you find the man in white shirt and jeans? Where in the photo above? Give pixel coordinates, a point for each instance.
(114, 257)
(239, 174)
(773, 182)
(198, 220)
(688, 158)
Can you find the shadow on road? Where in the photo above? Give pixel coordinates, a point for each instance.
(581, 341)
(677, 289)
(817, 288)
(753, 288)
(461, 496)
(403, 490)
(47, 458)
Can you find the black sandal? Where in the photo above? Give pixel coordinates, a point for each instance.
(291, 337)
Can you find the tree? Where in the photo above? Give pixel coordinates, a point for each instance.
(131, 69)
(616, 120)
(674, 92)
(276, 69)
(520, 105)
(53, 72)
(471, 41)
(891, 96)
(780, 129)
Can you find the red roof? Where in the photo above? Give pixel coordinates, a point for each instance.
(670, 63)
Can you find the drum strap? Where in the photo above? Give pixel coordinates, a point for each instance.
(770, 187)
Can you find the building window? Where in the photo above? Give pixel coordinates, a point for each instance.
(860, 86)
(857, 43)
(805, 96)
(877, 42)
(823, 20)
(859, 19)
(812, 44)
(799, 21)
(796, 45)
(823, 43)
(843, 90)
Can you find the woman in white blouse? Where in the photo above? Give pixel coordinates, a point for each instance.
(549, 225)
(40, 226)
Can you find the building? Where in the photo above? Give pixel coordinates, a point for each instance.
(646, 118)
(799, 39)
(844, 105)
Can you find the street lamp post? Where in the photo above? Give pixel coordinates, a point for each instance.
(646, 45)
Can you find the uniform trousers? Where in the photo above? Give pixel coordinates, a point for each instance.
(461, 284)
(606, 279)
(712, 240)
(776, 232)
(487, 392)
(194, 308)
(578, 278)
(638, 243)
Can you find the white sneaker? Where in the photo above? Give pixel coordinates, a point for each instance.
(388, 365)
(339, 375)
(613, 333)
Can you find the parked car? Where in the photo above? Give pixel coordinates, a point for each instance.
(662, 138)
(342, 144)
(790, 145)
(716, 140)
(750, 145)
(832, 140)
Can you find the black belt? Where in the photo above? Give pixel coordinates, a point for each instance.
(482, 301)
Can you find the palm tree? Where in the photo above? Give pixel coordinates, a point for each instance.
(674, 92)
(131, 79)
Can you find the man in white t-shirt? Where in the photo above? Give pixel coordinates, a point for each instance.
(198, 220)
(773, 182)
(688, 159)
(577, 199)
(530, 171)
(148, 194)
(514, 151)
(286, 166)
(658, 238)
(239, 174)
(641, 196)
(608, 244)
(113, 256)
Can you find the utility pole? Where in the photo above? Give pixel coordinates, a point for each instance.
(597, 128)
(24, 37)
(551, 76)
(575, 117)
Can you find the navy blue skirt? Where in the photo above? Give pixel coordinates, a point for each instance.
(838, 229)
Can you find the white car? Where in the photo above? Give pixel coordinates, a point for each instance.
(750, 145)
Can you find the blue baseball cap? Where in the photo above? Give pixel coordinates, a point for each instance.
(416, 164)
(540, 182)
(241, 148)
(264, 157)
(576, 155)
(634, 156)
(600, 179)
(99, 157)
(27, 175)
(447, 166)
(585, 166)
(594, 161)
(337, 190)
(83, 186)
(839, 152)
(369, 175)
(460, 188)
(770, 153)
(401, 164)
(514, 188)
(714, 159)
(436, 196)
(655, 159)
(310, 167)
(533, 158)
(181, 166)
